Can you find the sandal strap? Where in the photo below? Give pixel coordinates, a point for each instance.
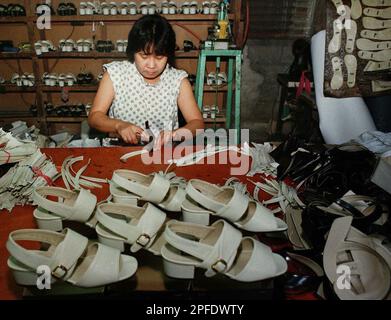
(99, 271)
(233, 210)
(155, 192)
(216, 258)
(81, 210)
(140, 235)
(69, 248)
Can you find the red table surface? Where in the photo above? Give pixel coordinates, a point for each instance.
(103, 162)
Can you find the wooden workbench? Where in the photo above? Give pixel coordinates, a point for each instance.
(149, 278)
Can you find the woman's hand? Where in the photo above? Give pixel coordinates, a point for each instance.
(130, 133)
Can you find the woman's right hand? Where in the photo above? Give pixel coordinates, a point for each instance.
(130, 133)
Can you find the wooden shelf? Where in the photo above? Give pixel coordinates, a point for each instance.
(4, 88)
(16, 55)
(65, 119)
(113, 18)
(101, 55)
(13, 19)
(217, 120)
(94, 88)
(17, 115)
(76, 88)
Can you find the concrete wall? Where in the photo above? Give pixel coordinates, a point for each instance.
(262, 61)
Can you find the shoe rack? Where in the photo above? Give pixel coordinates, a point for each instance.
(15, 101)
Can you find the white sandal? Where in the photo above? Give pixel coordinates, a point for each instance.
(154, 188)
(72, 205)
(141, 227)
(229, 203)
(365, 258)
(70, 257)
(219, 248)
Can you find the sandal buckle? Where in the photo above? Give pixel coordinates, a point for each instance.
(62, 268)
(143, 240)
(216, 267)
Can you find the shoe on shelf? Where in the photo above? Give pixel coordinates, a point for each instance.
(132, 8)
(185, 8)
(165, 7)
(172, 7)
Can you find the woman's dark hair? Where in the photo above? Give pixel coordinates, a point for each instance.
(152, 32)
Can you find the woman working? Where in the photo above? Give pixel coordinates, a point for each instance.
(146, 89)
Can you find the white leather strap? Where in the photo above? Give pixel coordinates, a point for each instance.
(337, 79)
(69, 248)
(373, 23)
(376, 35)
(140, 184)
(383, 55)
(380, 13)
(81, 210)
(216, 257)
(235, 208)
(351, 66)
(142, 228)
(202, 192)
(376, 66)
(366, 44)
(377, 3)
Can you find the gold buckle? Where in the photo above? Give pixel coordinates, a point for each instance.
(61, 267)
(214, 266)
(143, 235)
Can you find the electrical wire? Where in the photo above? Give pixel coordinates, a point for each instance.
(187, 29)
(247, 25)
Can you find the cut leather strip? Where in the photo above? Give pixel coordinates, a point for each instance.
(366, 44)
(351, 32)
(377, 3)
(373, 23)
(379, 13)
(383, 55)
(335, 42)
(351, 66)
(377, 35)
(337, 79)
(356, 9)
(377, 66)
(379, 86)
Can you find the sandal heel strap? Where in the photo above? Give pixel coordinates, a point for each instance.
(140, 235)
(63, 260)
(155, 192)
(215, 258)
(80, 211)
